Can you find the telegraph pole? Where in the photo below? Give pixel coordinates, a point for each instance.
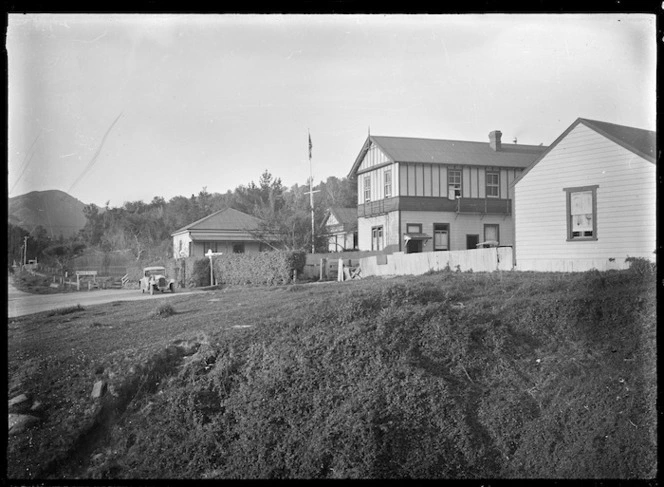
(25, 250)
(311, 199)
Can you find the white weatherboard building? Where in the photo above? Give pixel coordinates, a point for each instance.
(226, 231)
(589, 201)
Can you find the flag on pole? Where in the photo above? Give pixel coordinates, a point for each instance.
(310, 146)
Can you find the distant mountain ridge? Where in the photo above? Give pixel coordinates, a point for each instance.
(56, 211)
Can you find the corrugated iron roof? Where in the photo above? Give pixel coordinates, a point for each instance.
(226, 219)
(441, 151)
(345, 216)
(403, 149)
(640, 141)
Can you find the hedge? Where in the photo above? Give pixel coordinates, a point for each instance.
(261, 269)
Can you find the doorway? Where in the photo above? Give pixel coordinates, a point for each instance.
(472, 241)
(414, 246)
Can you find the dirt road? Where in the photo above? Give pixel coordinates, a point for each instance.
(21, 303)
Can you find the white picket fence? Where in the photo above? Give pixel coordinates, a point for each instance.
(398, 263)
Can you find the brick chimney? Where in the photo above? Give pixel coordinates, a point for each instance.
(494, 139)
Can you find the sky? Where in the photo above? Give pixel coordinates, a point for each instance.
(115, 108)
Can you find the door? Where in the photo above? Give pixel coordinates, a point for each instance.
(472, 241)
(414, 246)
(441, 236)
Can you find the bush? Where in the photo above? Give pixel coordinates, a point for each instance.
(164, 311)
(641, 266)
(265, 268)
(200, 275)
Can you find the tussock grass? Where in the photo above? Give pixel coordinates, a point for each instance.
(65, 311)
(164, 310)
(449, 375)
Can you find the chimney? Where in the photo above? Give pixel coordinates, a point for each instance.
(494, 139)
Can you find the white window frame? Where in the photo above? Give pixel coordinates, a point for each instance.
(367, 188)
(388, 183)
(452, 184)
(492, 185)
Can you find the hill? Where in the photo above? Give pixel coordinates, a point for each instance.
(56, 211)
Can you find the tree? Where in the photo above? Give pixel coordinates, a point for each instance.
(39, 240)
(93, 230)
(62, 253)
(15, 241)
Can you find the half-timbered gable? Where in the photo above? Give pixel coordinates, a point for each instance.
(448, 190)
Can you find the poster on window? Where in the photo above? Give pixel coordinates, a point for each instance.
(582, 211)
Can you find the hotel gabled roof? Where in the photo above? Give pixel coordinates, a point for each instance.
(457, 152)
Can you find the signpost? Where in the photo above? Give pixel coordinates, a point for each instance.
(211, 254)
(85, 273)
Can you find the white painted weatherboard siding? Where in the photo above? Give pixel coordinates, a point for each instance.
(390, 224)
(626, 206)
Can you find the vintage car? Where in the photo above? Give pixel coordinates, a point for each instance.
(154, 279)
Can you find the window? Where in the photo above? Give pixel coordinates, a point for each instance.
(367, 188)
(413, 228)
(213, 246)
(491, 233)
(441, 236)
(454, 184)
(377, 238)
(492, 184)
(388, 183)
(238, 248)
(581, 213)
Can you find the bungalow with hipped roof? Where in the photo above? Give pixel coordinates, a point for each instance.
(227, 231)
(420, 195)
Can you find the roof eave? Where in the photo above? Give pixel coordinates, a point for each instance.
(589, 123)
(546, 151)
(360, 156)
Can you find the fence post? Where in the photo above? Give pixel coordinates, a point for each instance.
(321, 271)
(340, 271)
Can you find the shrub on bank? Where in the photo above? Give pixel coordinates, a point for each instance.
(461, 377)
(260, 269)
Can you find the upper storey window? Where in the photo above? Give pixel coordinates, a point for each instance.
(454, 183)
(492, 184)
(388, 183)
(367, 188)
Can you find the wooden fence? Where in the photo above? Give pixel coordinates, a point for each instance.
(398, 263)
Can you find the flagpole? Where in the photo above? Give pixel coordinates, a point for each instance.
(311, 197)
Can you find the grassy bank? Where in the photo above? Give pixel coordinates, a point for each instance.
(445, 375)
